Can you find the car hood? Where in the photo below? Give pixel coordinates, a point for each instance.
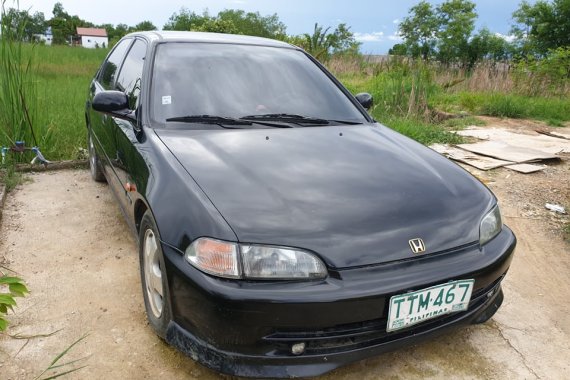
(355, 195)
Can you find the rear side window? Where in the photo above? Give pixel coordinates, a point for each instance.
(113, 63)
(129, 80)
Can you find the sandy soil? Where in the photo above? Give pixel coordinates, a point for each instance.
(65, 235)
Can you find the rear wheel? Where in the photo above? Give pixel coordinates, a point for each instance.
(153, 276)
(94, 163)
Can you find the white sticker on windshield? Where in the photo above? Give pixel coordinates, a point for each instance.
(166, 100)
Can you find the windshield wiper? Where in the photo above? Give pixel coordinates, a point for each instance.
(286, 117)
(223, 121)
(209, 119)
(347, 122)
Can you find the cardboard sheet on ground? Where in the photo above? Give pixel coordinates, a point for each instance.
(507, 152)
(557, 134)
(535, 141)
(477, 161)
(526, 168)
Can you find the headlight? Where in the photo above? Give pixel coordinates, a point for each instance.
(261, 262)
(230, 260)
(490, 226)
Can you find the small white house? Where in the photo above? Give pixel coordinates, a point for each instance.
(45, 38)
(92, 37)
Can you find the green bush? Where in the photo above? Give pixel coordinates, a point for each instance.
(403, 89)
(16, 288)
(548, 75)
(503, 106)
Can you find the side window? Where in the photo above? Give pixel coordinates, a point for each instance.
(131, 73)
(113, 63)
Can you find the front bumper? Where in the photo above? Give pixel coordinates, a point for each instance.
(247, 328)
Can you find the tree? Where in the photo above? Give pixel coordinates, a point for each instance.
(228, 21)
(419, 30)
(186, 20)
(542, 26)
(63, 25)
(216, 25)
(322, 43)
(398, 49)
(456, 20)
(143, 26)
(486, 45)
(24, 23)
(254, 24)
(343, 41)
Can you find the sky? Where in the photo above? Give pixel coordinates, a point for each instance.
(374, 22)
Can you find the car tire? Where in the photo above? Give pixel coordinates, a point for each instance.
(94, 163)
(153, 276)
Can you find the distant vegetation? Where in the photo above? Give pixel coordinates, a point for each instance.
(446, 33)
(443, 68)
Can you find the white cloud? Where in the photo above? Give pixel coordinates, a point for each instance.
(369, 37)
(506, 37)
(396, 21)
(395, 37)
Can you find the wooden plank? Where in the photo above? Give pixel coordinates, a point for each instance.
(526, 168)
(503, 151)
(558, 135)
(477, 161)
(535, 141)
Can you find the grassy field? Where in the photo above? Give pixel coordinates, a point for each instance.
(63, 77)
(405, 96)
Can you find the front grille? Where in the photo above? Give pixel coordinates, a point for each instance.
(362, 334)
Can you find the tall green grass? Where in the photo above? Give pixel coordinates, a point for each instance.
(401, 92)
(42, 94)
(18, 96)
(63, 77)
(554, 110)
(406, 90)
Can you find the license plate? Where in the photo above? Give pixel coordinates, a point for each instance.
(412, 308)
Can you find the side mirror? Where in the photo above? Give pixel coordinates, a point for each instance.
(115, 103)
(365, 99)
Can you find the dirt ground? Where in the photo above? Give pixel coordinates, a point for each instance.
(65, 235)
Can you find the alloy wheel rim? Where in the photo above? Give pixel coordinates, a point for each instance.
(153, 273)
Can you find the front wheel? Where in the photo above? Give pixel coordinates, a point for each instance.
(94, 163)
(153, 276)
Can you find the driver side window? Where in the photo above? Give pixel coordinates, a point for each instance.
(109, 72)
(130, 77)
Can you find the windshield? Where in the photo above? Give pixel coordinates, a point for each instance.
(234, 81)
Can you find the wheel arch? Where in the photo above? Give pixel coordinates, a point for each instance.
(139, 210)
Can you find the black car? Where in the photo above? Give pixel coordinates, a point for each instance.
(282, 231)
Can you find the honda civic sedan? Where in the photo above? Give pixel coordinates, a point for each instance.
(282, 231)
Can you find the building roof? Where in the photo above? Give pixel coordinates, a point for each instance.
(93, 32)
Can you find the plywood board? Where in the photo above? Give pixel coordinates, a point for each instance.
(507, 152)
(477, 161)
(526, 168)
(535, 141)
(561, 135)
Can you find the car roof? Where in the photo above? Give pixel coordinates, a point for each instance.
(180, 36)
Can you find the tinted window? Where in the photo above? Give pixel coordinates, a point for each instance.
(113, 63)
(239, 80)
(129, 80)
